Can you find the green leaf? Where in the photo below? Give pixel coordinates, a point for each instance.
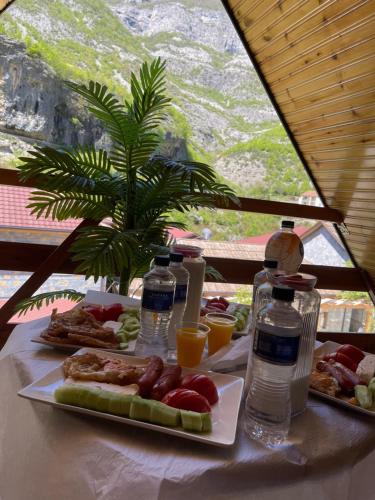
(37, 301)
(103, 251)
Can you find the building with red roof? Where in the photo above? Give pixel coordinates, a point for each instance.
(262, 239)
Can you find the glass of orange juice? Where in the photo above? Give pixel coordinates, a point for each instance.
(190, 342)
(221, 328)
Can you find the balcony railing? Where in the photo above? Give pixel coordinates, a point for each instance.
(43, 260)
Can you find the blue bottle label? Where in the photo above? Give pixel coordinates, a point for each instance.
(278, 349)
(156, 300)
(180, 293)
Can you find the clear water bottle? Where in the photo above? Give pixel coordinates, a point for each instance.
(286, 247)
(269, 269)
(275, 352)
(157, 301)
(179, 305)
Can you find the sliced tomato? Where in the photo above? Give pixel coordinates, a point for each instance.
(96, 311)
(218, 305)
(343, 359)
(185, 399)
(112, 312)
(201, 384)
(352, 352)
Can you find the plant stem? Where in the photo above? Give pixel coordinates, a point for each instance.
(124, 282)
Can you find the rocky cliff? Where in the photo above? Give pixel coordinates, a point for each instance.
(220, 112)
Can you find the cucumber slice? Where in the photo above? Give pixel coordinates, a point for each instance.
(163, 414)
(140, 409)
(196, 422)
(191, 421)
(119, 404)
(371, 386)
(94, 398)
(364, 396)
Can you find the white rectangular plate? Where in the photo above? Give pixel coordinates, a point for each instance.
(98, 298)
(224, 412)
(321, 351)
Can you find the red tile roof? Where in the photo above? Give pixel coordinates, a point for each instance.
(180, 233)
(13, 212)
(263, 238)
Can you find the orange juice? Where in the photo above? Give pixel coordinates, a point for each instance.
(222, 327)
(190, 341)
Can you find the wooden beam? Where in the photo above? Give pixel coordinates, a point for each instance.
(29, 256)
(4, 4)
(329, 278)
(42, 272)
(287, 210)
(10, 177)
(5, 332)
(365, 341)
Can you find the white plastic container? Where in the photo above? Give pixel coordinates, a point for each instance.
(196, 266)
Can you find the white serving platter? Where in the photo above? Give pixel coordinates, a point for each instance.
(97, 298)
(322, 350)
(224, 412)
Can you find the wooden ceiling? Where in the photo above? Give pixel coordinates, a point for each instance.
(317, 61)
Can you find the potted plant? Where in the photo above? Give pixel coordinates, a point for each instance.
(131, 188)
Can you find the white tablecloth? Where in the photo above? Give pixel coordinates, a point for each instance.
(49, 454)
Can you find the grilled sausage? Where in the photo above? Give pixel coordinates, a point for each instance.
(169, 379)
(153, 371)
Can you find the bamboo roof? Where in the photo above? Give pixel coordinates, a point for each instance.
(316, 59)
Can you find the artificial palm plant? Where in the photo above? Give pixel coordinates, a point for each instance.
(131, 187)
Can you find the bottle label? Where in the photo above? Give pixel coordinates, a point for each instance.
(180, 293)
(156, 300)
(278, 349)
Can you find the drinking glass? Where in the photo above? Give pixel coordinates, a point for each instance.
(221, 326)
(190, 342)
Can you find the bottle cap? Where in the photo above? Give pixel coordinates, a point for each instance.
(281, 292)
(176, 257)
(287, 223)
(270, 263)
(161, 260)
(187, 250)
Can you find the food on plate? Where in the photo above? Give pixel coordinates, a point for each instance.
(341, 358)
(220, 304)
(151, 392)
(90, 366)
(94, 398)
(201, 384)
(110, 312)
(352, 352)
(323, 382)
(347, 374)
(185, 399)
(152, 373)
(196, 422)
(364, 396)
(168, 380)
(366, 368)
(79, 327)
(135, 407)
(346, 379)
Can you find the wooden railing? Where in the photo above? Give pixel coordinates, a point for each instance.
(43, 260)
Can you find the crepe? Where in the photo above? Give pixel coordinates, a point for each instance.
(90, 366)
(79, 327)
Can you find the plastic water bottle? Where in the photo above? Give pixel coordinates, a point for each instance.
(269, 269)
(157, 301)
(275, 352)
(286, 247)
(182, 281)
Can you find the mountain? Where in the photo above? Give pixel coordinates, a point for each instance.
(220, 114)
